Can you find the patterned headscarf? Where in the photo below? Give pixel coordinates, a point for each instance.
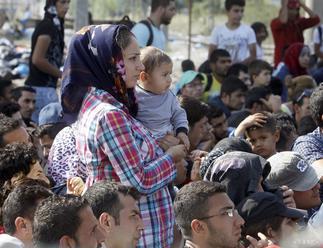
(95, 60)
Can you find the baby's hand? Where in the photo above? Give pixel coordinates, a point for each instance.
(184, 140)
(75, 186)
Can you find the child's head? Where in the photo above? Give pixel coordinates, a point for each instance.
(235, 9)
(260, 31)
(156, 77)
(263, 139)
(260, 72)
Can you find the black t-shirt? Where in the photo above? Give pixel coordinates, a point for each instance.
(54, 54)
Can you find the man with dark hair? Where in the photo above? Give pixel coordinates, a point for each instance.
(218, 63)
(232, 95)
(235, 37)
(11, 109)
(18, 212)
(116, 207)
(301, 105)
(11, 131)
(219, 123)
(47, 134)
(206, 216)
(5, 89)
(25, 96)
(66, 221)
(240, 71)
(310, 145)
(287, 131)
(151, 34)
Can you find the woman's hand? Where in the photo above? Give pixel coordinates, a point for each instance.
(177, 152)
(168, 141)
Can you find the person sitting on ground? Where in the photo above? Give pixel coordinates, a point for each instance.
(235, 37)
(12, 109)
(190, 84)
(25, 96)
(11, 131)
(187, 65)
(261, 33)
(18, 212)
(116, 208)
(66, 221)
(264, 137)
(214, 71)
(295, 63)
(6, 87)
(287, 131)
(207, 217)
(260, 73)
(240, 71)
(301, 105)
(232, 95)
(290, 169)
(266, 213)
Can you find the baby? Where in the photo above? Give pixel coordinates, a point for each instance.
(158, 107)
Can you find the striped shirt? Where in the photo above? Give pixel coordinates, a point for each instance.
(115, 146)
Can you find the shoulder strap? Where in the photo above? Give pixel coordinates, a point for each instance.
(151, 34)
(320, 33)
(209, 81)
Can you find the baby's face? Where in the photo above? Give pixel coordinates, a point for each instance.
(160, 79)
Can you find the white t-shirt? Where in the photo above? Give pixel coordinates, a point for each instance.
(141, 32)
(236, 41)
(316, 37)
(7, 241)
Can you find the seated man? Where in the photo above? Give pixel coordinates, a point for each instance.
(116, 208)
(26, 98)
(290, 169)
(66, 221)
(11, 131)
(18, 212)
(207, 217)
(232, 95)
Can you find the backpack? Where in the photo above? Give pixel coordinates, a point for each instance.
(130, 24)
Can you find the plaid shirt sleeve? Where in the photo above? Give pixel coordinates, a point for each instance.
(124, 149)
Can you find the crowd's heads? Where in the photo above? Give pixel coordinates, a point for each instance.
(299, 84)
(187, 65)
(25, 96)
(240, 71)
(263, 139)
(290, 169)
(206, 215)
(220, 62)
(115, 206)
(266, 213)
(297, 58)
(19, 208)
(287, 131)
(233, 93)
(190, 84)
(255, 97)
(61, 6)
(63, 221)
(293, 7)
(11, 109)
(316, 105)
(5, 89)
(11, 131)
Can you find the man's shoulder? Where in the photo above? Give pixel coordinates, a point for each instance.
(313, 137)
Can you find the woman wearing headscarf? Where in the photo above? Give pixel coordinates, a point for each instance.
(296, 62)
(100, 73)
(47, 48)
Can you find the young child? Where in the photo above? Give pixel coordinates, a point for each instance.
(235, 37)
(260, 73)
(158, 107)
(263, 137)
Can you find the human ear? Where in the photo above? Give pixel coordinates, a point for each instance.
(67, 242)
(20, 224)
(143, 76)
(197, 226)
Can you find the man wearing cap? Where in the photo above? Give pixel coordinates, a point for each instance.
(290, 169)
(266, 213)
(288, 27)
(190, 84)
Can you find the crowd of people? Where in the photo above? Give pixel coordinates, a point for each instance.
(230, 155)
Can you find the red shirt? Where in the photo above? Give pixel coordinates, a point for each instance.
(289, 33)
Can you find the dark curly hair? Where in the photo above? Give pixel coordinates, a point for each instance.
(7, 125)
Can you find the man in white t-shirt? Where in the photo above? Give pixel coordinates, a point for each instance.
(150, 33)
(318, 41)
(237, 38)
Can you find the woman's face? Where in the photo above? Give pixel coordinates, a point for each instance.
(132, 63)
(62, 7)
(304, 57)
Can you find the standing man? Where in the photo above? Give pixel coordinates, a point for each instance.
(148, 32)
(288, 27)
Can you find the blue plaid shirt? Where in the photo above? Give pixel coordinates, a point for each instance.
(310, 146)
